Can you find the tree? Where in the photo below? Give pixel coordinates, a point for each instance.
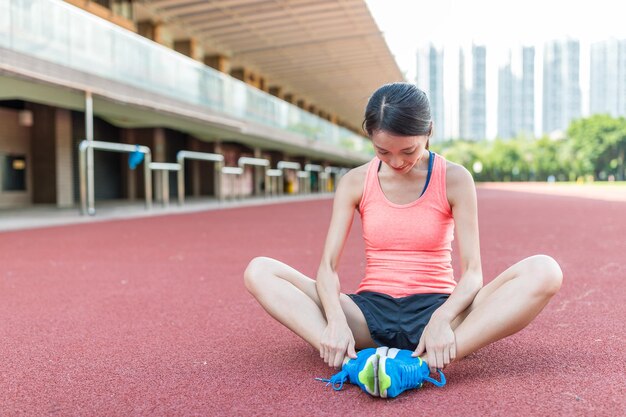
(599, 145)
(594, 146)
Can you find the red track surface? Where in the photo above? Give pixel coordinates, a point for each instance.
(150, 317)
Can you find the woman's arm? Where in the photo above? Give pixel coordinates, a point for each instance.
(337, 340)
(438, 337)
(462, 197)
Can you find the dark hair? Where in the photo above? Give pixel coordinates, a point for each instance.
(398, 108)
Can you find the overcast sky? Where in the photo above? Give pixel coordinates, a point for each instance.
(409, 24)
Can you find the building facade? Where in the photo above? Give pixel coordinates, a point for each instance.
(473, 93)
(607, 87)
(429, 78)
(516, 94)
(561, 85)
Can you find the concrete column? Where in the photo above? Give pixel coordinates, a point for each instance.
(195, 168)
(239, 73)
(158, 149)
(219, 62)
(259, 176)
(43, 151)
(128, 136)
(158, 155)
(217, 178)
(306, 183)
(276, 91)
(263, 84)
(324, 178)
(64, 165)
(151, 30)
(248, 77)
(252, 79)
(188, 47)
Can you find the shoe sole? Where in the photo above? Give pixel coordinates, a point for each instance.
(368, 377)
(384, 381)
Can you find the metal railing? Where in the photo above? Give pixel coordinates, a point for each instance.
(287, 165)
(321, 176)
(164, 168)
(234, 173)
(337, 172)
(273, 177)
(256, 162)
(274, 181)
(86, 171)
(282, 165)
(181, 156)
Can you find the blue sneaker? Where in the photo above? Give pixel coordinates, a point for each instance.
(362, 371)
(398, 371)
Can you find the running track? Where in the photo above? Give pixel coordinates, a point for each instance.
(150, 317)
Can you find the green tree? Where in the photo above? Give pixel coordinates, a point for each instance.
(598, 144)
(594, 146)
(548, 159)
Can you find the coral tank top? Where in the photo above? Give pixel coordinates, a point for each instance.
(408, 247)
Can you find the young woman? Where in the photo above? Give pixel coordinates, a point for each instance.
(410, 200)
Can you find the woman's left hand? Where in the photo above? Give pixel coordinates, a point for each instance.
(438, 342)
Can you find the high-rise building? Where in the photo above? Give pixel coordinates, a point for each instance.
(516, 94)
(430, 79)
(505, 100)
(473, 93)
(607, 88)
(561, 85)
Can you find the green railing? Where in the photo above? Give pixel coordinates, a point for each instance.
(55, 31)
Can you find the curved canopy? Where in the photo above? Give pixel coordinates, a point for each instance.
(328, 52)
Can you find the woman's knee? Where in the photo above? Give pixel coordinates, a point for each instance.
(257, 270)
(546, 272)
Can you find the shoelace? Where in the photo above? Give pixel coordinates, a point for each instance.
(412, 373)
(336, 380)
(411, 376)
(434, 381)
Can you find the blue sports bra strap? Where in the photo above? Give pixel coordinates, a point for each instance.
(431, 161)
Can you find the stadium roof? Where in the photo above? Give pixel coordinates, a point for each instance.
(328, 52)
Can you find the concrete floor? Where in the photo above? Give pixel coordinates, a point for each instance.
(50, 215)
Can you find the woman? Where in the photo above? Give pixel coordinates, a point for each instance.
(410, 200)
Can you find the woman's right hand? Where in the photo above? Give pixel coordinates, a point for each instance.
(337, 342)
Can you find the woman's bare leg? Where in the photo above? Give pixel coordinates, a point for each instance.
(507, 304)
(291, 298)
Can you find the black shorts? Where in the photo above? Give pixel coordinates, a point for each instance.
(397, 322)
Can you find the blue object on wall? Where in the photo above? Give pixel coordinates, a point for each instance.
(135, 158)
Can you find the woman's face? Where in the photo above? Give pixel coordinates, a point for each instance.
(401, 153)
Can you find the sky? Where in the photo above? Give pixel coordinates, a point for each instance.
(409, 24)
